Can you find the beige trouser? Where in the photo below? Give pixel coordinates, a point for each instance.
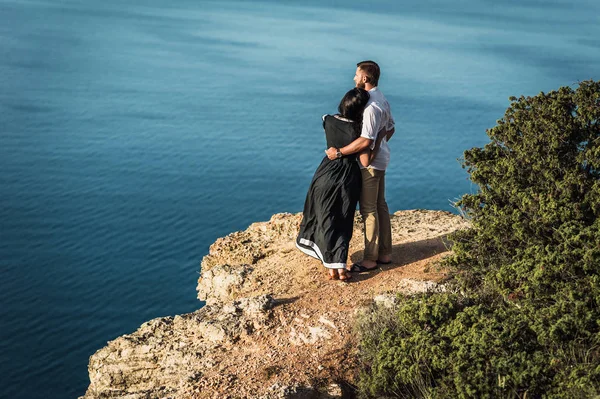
(375, 213)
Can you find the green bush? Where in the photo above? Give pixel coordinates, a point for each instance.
(526, 323)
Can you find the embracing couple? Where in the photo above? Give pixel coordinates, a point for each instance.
(353, 170)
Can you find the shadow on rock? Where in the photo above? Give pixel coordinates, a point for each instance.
(406, 253)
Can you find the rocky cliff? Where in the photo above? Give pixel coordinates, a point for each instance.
(273, 325)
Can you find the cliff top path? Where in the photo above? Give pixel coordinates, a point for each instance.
(273, 326)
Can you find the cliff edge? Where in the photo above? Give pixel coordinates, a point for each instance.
(273, 325)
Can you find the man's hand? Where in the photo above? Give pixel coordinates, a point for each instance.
(356, 146)
(389, 134)
(331, 153)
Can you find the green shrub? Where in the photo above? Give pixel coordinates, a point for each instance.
(447, 345)
(526, 323)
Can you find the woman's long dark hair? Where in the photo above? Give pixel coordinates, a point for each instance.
(352, 106)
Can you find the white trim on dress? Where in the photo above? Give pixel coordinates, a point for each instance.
(316, 253)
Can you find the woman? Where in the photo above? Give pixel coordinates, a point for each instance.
(328, 218)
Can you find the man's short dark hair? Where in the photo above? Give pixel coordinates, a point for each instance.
(371, 70)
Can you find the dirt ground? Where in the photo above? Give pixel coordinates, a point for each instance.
(309, 339)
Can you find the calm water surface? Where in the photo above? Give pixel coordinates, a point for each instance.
(133, 135)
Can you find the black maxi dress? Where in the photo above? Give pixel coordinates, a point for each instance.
(328, 218)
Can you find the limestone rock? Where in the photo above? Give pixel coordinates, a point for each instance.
(273, 326)
(166, 354)
(220, 283)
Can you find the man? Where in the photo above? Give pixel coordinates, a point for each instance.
(377, 119)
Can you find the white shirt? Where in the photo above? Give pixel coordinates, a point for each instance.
(376, 117)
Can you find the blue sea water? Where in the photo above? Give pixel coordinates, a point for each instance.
(133, 134)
